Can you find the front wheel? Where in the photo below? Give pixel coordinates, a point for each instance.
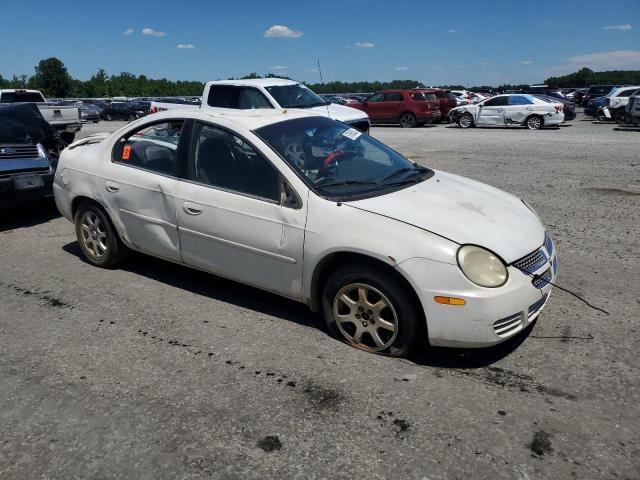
(465, 120)
(619, 116)
(371, 311)
(97, 237)
(408, 120)
(534, 122)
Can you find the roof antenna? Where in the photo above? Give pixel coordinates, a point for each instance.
(324, 88)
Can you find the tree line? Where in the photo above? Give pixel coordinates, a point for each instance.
(52, 78)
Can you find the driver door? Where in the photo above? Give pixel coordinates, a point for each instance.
(492, 111)
(374, 106)
(232, 219)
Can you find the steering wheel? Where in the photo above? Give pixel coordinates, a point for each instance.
(331, 158)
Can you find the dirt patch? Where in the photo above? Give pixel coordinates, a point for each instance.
(540, 444)
(611, 191)
(322, 398)
(270, 443)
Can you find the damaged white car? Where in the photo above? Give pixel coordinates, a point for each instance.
(394, 254)
(502, 110)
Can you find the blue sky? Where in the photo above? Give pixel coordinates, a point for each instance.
(435, 42)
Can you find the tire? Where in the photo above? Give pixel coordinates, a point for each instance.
(132, 117)
(109, 117)
(534, 122)
(393, 328)
(408, 120)
(98, 239)
(619, 116)
(67, 137)
(465, 120)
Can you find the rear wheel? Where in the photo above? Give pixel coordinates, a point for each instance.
(408, 120)
(97, 237)
(68, 137)
(534, 122)
(371, 311)
(132, 117)
(619, 116)
(109, 117)
(465, 120)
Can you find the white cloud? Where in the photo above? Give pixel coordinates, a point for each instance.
(527, 62)
(453, 31)
(128, 31)
(364, 45)
(618, 27)
(186, 46)
(279, 67)
(402, 69)
(151, 32)
(627, 59)
(281, 31)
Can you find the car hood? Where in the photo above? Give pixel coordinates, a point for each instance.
(464, 211)
(340, 112)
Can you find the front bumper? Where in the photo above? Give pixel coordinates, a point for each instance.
(12, 197)
(490, 315)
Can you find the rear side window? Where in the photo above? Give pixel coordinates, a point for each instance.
(626, 93)
(393, 97)
(420, 97)
(238, 98)
(519, 100)
(152, 147)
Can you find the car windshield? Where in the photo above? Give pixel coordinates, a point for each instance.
(338, 160)
(295, 96)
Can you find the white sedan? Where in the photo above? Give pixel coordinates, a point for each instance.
(394, 254)
(515, 109)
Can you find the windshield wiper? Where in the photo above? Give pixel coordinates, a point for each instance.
(403, 170)
(346, 182)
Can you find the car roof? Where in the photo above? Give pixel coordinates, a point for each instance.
(248, 119)
(255, 82)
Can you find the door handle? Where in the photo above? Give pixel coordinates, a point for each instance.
(191, 208)
(111, 187)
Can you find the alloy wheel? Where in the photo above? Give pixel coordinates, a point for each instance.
(295, 153)
(534, 123)
(94, 235)
(408, 121)
(465, 120)
(365, 317)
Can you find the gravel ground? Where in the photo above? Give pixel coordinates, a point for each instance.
(157, 371)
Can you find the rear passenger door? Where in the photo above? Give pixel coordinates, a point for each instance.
(519, 108)
(393, 105)
(139, 187)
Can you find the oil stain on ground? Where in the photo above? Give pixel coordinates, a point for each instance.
(270, 443)
(540, 444)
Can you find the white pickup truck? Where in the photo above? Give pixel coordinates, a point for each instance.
(267, 93)
(64, 118)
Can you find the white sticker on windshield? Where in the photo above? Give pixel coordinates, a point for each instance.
(352, 134)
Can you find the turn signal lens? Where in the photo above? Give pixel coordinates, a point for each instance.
(450, 300)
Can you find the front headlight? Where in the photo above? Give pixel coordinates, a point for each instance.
(482, 267)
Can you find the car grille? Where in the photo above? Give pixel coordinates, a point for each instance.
(11, 152)
(533, 309)
(542, 280)
(531, 262)
(508, 325)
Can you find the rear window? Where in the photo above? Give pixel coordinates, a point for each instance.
(13, 97)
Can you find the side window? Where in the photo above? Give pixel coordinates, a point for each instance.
(496, 101)
(224, 96)
(221, 159)
(627, 93)
(393, 97)
(519, 100)
(376, 97)
(252, 98)
(152, 147)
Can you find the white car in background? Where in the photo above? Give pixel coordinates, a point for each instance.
(513, 109)
(615, 103)
(394, 254)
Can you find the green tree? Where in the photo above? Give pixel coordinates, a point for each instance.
(52, 78)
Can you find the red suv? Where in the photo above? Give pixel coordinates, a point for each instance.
(446, 98)
(409, 108)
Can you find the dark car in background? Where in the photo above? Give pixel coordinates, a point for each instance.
(596, 91)
(89, 113)
(122, 111)
(550, 91)
(29, 149)
(446, 99)
(569, 107)
(409, 108)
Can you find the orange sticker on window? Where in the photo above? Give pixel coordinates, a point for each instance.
(126, 152)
